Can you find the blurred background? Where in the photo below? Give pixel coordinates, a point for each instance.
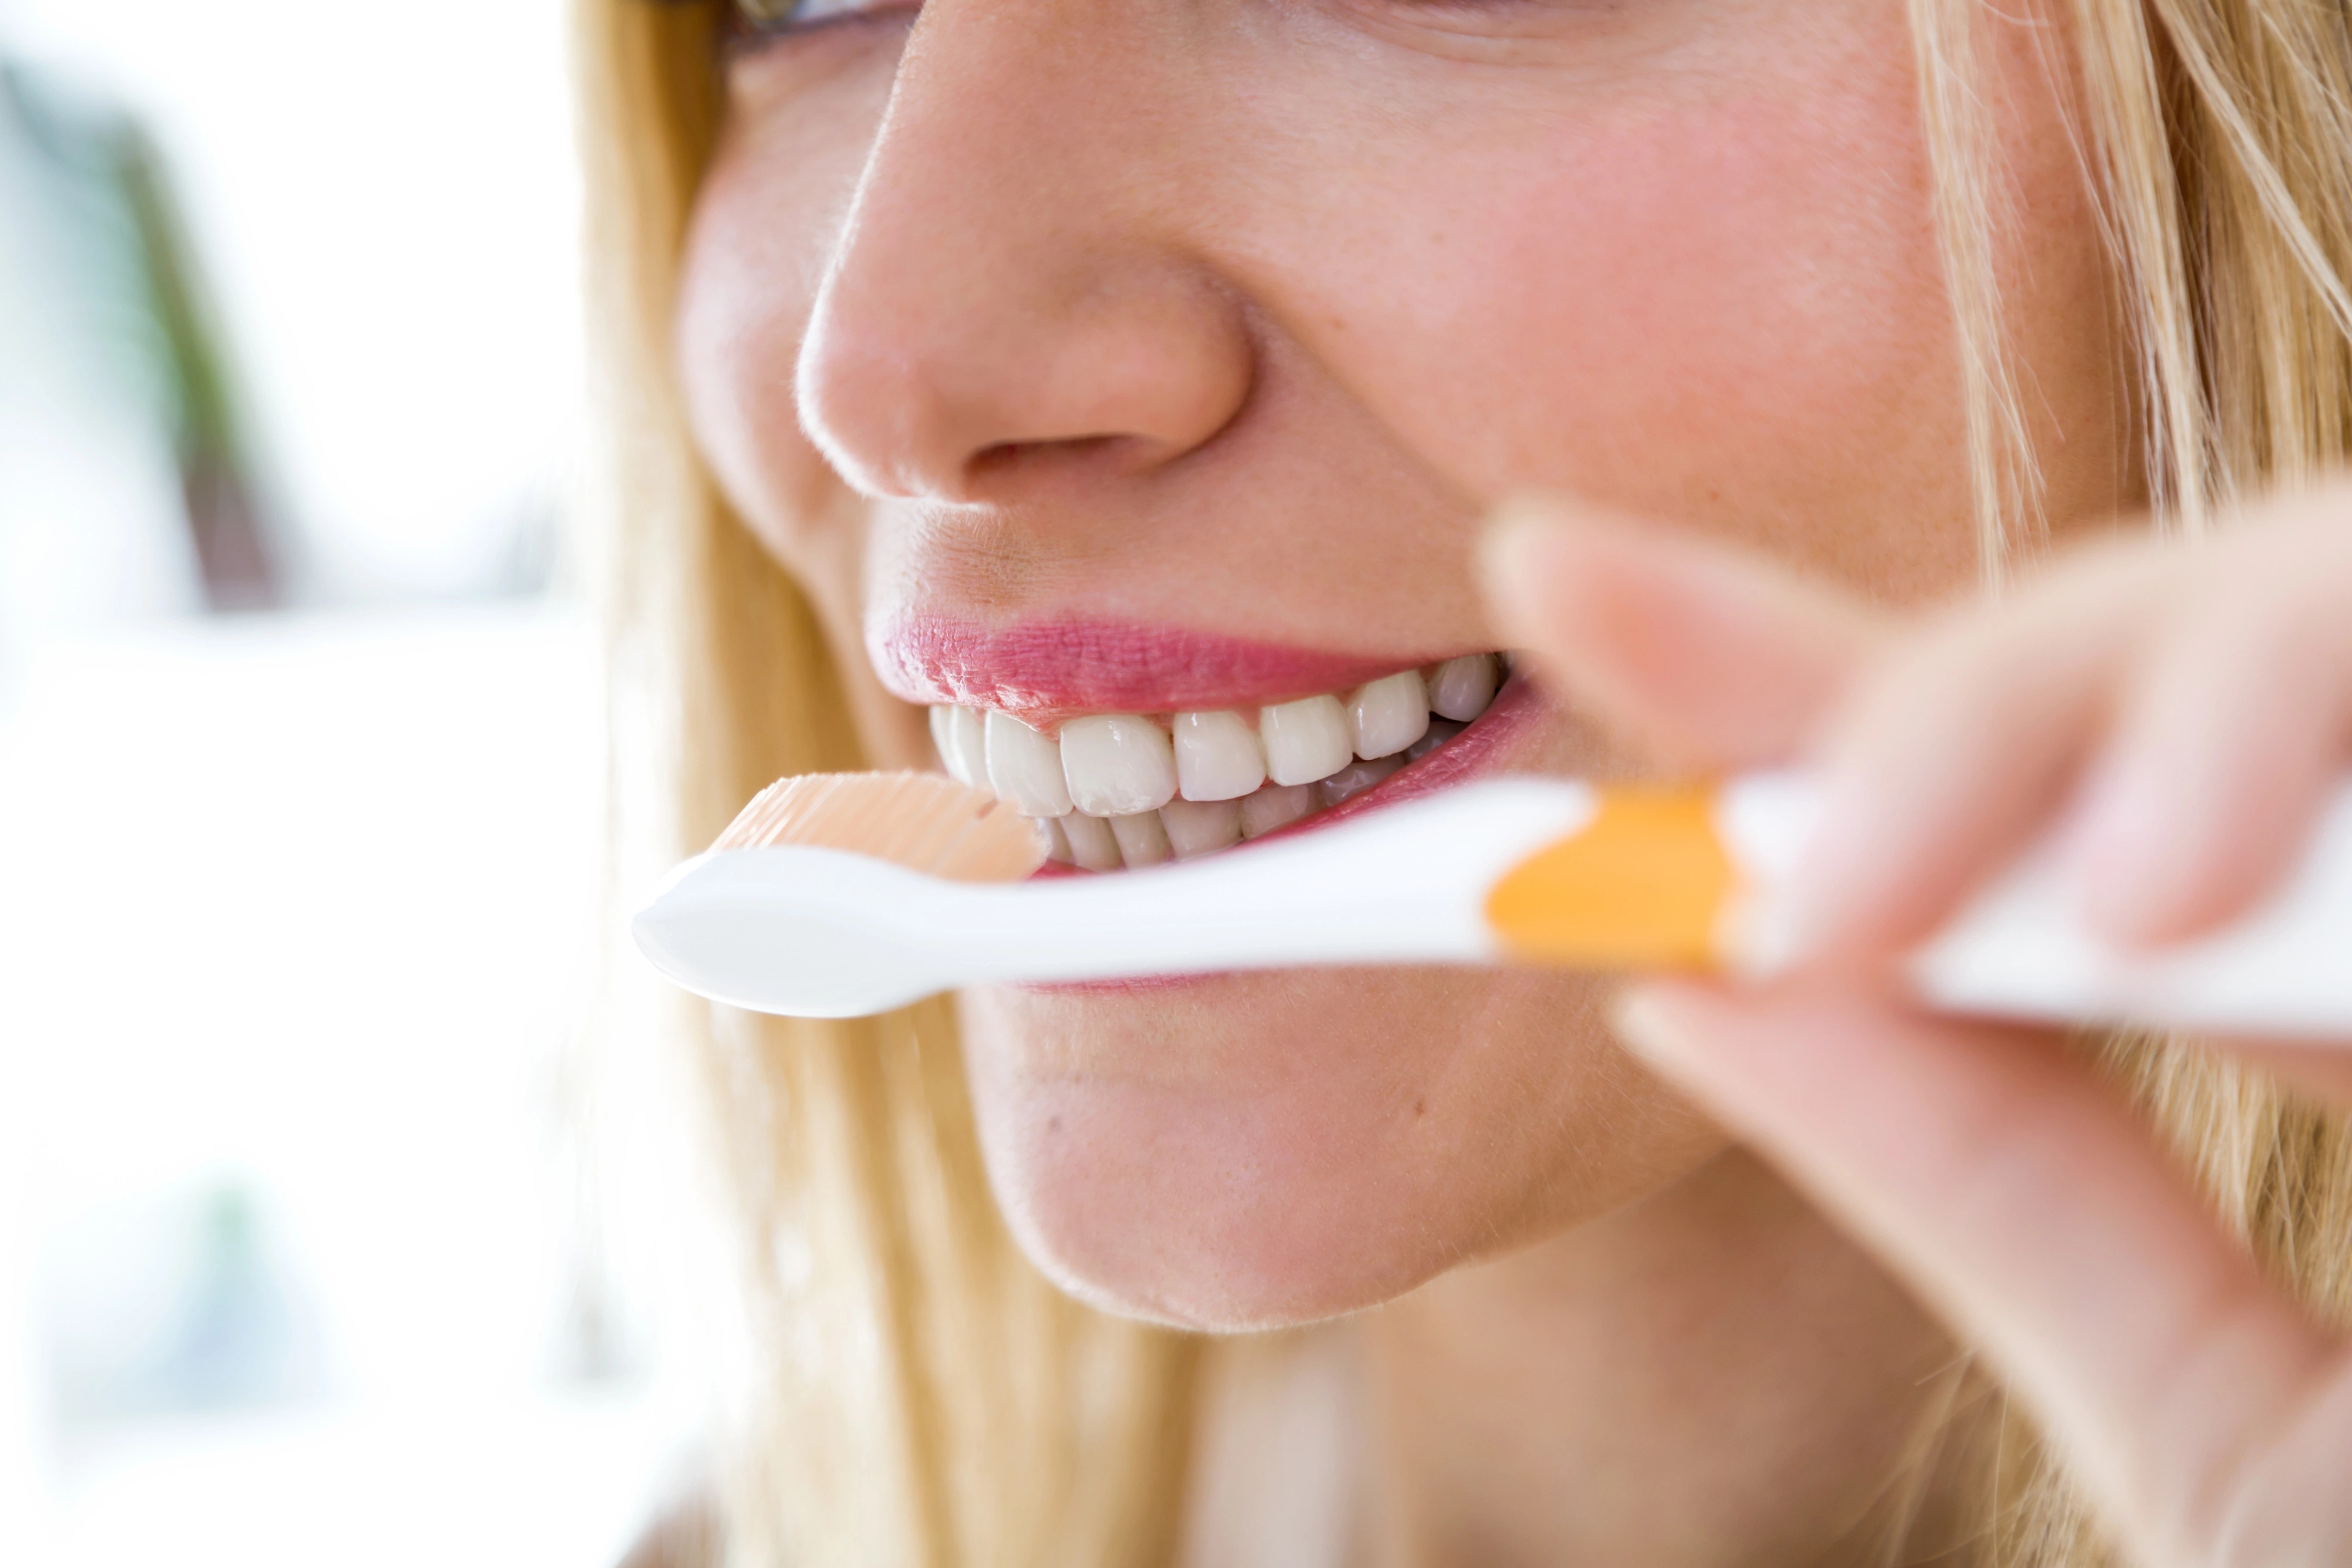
(333, 1226)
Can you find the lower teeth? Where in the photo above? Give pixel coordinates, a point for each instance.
(1276, 806)
(1355, 778)
(1183, 829)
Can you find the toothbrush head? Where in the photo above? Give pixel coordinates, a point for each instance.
(799, 907)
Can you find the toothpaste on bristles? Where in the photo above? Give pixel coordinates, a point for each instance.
(920, 820)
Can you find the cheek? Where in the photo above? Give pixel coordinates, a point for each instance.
(1718, 305)
(1715, 291)
(765, 222)
(745, 294)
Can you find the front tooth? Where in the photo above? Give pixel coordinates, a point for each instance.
(1197, 827)
(1116, 764)
(1056, 843)
(1276, 806)
(1091, 845)
(955, 733)
(1217, 756)
(1355, 778)
(1388, 714)
(1304, 741)
(1142, 838)
(1024, 767)
(1461, 688)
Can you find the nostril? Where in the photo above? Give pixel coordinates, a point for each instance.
(1007, 461)
(1005, 455)
(965, 371)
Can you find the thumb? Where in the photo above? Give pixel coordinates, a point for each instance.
(1711, 657)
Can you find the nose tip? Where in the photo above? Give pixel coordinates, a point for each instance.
(1017, 290)
(953, 377)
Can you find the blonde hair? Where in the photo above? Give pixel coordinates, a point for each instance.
(929, 1398)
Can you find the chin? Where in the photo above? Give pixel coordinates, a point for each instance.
(1249, 1152)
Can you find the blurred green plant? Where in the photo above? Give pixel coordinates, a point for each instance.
(112, 192)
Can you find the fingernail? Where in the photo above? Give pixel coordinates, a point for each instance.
(1643, 1024)
(1763, 938)
(2114, 847)
(1513, 546)
(1784, 922)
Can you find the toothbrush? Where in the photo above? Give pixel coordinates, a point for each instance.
(840, 896)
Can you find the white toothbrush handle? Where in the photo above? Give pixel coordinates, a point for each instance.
(2021, 951)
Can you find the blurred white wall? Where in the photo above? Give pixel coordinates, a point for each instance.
(300, 919)
(315, 1245)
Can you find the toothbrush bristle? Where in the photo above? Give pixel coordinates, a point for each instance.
(920, 820)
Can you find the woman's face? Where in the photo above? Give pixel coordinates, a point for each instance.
(1161, 356)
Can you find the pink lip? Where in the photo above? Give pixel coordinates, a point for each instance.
(1048, 670)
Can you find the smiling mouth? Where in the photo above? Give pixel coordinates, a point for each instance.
(1112, 790)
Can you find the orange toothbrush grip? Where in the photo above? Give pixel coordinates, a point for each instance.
(1644, 884)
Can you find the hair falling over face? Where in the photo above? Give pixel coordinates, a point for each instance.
(928, 1397)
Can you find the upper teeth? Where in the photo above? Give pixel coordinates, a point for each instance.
(1133, 789)
(1304, 741)
(1217, 756)
(1024, 768)
(1461, 688)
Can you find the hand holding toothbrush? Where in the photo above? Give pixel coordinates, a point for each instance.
(2180, 713)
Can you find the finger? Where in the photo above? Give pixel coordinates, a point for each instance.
(1710, 657)
(2023, 1203)
(1955, 752)
(2229, 743)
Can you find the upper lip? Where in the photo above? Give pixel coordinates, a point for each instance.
(1045, 671)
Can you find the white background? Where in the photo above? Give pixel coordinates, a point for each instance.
(301, 912)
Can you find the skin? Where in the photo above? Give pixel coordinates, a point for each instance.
(1238, 317)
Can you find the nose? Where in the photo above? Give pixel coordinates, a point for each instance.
(1016, 292)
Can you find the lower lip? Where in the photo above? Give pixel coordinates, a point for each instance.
(1481, 748)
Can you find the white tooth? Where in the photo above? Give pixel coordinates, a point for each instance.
(1197, 827)
(1217, 756)
(971, 744)
(955, 734)
(941, 744)
(1441, 730)
(1091, 845)
(1304, 741)
(1386, 716)
(1116, 764)
(1461, 688)
(1276, 806)
(1024, 768)
(1050, 834)
(1355, 778)
(1143, 839)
